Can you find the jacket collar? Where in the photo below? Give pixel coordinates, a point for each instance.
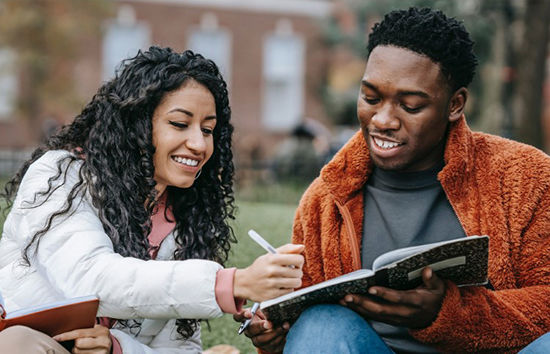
(346, 174)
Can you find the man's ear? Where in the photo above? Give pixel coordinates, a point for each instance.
(457, 104)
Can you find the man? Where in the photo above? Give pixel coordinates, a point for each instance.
(417, 174)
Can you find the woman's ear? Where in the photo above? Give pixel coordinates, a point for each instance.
(457, 104)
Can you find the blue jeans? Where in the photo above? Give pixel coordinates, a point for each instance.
(540, 346)
(337, 329)
(333, 329)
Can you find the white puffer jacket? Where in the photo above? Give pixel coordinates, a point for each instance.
(76, 258)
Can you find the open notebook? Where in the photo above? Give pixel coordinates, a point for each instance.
(463, 261)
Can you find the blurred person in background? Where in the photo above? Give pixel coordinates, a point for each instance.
(131, 202)
(416, 174)
(296, 158)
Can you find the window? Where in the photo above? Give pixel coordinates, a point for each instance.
(213, 43)
(283, 58)
(8, 83)
(123, 39)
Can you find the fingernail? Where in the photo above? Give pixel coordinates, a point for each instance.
(372, 291)
(429, 273)
(349, 298)
(286, 326)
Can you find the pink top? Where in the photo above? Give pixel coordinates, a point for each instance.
(163, 222)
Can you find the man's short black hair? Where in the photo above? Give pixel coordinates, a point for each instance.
(429, 32)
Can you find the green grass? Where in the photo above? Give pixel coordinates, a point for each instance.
(274, 223)
(287, 192)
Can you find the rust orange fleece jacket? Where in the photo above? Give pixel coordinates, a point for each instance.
(497, 187)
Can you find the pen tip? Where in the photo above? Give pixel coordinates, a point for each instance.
(241, 328)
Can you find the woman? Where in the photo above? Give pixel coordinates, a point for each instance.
(144, 172)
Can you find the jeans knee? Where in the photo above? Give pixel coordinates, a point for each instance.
(23, 340)
(330, 319)
(19, 333)
(18, 336)
(539, 346)
(333, 329)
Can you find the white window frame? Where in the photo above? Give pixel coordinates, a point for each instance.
(115, 50)
(283, 69)
(209, 27)
(9, 84)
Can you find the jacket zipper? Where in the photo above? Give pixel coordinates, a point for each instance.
(454, 209)
(348, 224)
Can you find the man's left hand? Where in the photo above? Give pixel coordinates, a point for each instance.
(263, 334)
(416, 308)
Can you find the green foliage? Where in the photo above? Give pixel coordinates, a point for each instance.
(341, 106)
(46, 36)
(296, 161)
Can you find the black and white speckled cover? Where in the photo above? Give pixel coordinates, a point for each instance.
(463, 261)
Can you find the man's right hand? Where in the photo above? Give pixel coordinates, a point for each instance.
(262, 332)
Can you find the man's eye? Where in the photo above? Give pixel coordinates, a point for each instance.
(178, 124)
(412, 109)
(371, 101)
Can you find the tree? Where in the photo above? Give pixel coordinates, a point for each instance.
(45, 35)
(531, 71)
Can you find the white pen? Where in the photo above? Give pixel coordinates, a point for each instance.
(266, 246)
(247, 322)
(261, 241)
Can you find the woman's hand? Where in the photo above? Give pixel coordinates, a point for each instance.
(95, 340)
(270, 275)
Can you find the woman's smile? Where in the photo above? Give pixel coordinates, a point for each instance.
(183, 126)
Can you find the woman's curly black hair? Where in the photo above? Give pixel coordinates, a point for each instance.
(113, 140)
(429, 32)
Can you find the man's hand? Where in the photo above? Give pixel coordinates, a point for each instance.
(262, 332)
(88, 340)
(416, 308)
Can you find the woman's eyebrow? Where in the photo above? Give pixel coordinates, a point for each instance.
(190, 114)
(181, 110)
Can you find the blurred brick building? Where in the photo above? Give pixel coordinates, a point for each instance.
(271, 53)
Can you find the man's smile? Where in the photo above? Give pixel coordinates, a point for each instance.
(385, 144)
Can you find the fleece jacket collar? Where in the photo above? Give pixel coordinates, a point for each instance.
(346, 174)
